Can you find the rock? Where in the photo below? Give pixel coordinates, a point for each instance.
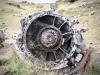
(97, 17)
(85, 3)
(90, 2)
(98, 10)
(76, 6)
(3, 23)
(18, 15)
(2, 36)
(3, 69)
(5, 30)
(92, 12)
(1, 45)
(65, 71)
(98, 46)
(91, 7)
(79, 15)
(90, 43)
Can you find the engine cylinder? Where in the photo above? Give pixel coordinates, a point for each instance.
(51, 38)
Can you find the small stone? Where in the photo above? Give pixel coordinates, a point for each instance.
(98, 46)
(90, 43)
(76, 6)
(91, 7)
(1, 45)
(79, 15)
(3, 23)
(84, 3)
(97, 17)
(5, 30)
(98, 10)
(92, 12)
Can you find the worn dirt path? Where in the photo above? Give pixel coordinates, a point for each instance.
(6, 51)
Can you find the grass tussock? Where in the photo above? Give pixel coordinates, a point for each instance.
(25, 3)
(14, 4)
(3, 62)
(39, 6)
(18, 67)
(15, 65)
(93, 67)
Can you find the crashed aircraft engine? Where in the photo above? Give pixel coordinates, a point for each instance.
(52, 39)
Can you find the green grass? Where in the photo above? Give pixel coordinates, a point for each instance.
(8, 23)
(18, 67)
(15, 65)
(93, 67)
(3, 62)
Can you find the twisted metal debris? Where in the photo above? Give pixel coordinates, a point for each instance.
(52, 39)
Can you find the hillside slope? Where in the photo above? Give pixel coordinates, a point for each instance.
(88, 13)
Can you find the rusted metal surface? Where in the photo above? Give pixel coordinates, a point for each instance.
(81, 65)
(52, 39)
(49, 38)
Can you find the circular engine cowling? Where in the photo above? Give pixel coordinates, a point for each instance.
(51, 38)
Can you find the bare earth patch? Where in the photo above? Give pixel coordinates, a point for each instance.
(6, 51)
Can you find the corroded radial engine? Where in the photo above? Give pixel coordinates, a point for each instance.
(52, 39)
